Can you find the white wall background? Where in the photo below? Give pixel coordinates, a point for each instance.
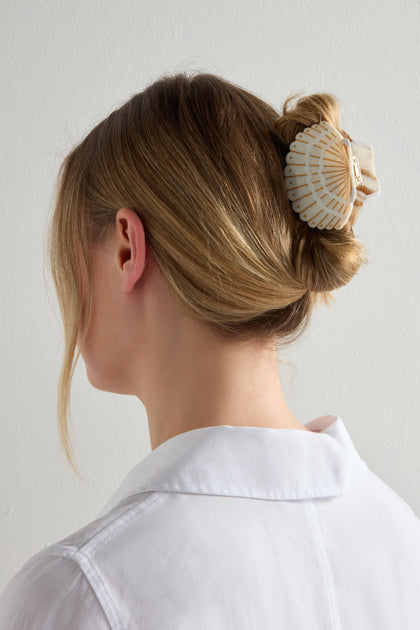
(65, 65)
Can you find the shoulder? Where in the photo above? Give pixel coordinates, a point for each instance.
(50, 591)
(62, 586)
(388, 526)
(387, 502)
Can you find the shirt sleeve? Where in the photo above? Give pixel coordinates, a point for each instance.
(50, 592)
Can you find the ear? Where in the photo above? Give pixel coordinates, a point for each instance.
(131, 246)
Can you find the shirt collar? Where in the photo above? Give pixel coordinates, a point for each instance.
(247, 461)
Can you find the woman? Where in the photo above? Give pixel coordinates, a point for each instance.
(195, 230)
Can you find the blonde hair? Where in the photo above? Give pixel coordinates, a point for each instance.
(200, 160)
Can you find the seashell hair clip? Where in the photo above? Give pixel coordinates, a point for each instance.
(325, 173)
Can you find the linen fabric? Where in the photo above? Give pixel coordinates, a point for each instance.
(234, 528)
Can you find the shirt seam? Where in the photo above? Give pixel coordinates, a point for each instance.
(253, 493)
(242, 493)
(95, 582)
(89, 570)
(302, 494)
(325, 563)
(119, 521)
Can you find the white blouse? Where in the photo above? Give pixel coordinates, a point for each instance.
(234, 528)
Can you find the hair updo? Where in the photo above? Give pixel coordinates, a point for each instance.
(200, 160)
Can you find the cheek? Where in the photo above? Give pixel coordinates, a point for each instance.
(103, 348)
(84, 292)
(95, 348)
(96, 333)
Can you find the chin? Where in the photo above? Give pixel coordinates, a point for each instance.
(96, 380)
(106, 383)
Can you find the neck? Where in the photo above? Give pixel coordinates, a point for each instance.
(200, 383)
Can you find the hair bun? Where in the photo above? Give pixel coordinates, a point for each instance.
(324, 189)
(326, 171)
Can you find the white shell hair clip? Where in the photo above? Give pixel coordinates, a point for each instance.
(325, 173)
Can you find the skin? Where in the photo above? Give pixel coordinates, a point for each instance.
(140, 343)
